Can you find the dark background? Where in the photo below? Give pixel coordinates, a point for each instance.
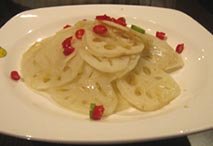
(200, 10)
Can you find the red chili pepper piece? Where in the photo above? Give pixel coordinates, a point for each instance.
(67, 46)
(15, 75)
(104, 17)
(160, 35)
(96, 112)
(179, 48)
(67, 26)
(121, 21)
(67, 42)
(79, 33)
(113, 20)
(68, 51)
(100, 29)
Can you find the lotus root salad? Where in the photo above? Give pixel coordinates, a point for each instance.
(103, 66)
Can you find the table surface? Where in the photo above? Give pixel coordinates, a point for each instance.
(200, 10)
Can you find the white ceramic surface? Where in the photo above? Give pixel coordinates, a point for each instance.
(29, 115)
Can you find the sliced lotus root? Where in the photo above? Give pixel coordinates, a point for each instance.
(147, 87)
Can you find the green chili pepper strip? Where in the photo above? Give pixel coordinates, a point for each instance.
(92, 106)
(3, 52)
(137, 28)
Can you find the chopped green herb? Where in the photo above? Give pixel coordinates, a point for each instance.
(92, 106)
(137, 28)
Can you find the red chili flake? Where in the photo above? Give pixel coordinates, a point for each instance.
(121, 21)
(104, 17)
(96, 111)
(100, 29)
(66, 26)
(69, 50)
(67, 42)
(160, 35)
(114, 20)
(79, 33)
(179, 48)
(67, 46)
(15, 75)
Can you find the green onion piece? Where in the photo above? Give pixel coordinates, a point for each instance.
(3, 52)
(92, 106)
(137, 28)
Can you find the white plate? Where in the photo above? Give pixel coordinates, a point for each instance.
(28, 115)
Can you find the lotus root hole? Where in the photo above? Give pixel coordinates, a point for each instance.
(146, 70)
(131, 79)
(138, 91)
